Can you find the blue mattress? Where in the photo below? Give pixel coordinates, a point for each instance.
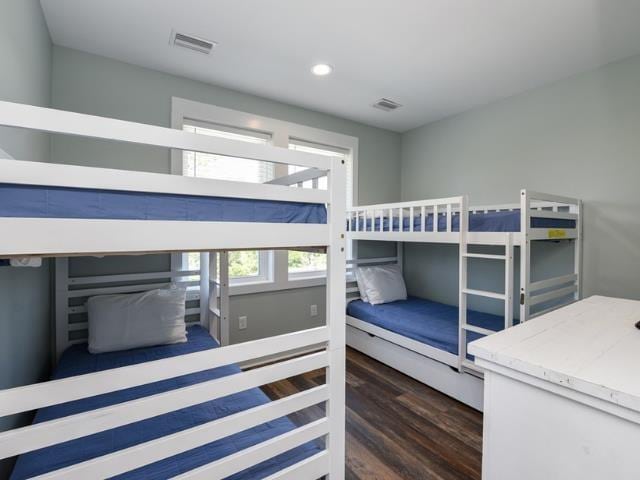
(503, 221)
(76, 360)
(29, 201)
(431, 323)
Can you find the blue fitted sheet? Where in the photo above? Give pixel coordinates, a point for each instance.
(503, 221)
(30, 201)
(76, 361)
(432, 323)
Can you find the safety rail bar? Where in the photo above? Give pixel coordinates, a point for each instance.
(21, 399)
(364, 218)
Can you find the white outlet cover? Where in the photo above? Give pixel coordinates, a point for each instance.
(242, 322)
(314, 310)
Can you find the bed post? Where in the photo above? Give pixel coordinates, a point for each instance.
(525, 254)
(62, 307)
(508, 281)
(336, 291)
(577, 248)
(224, 299)
(204, 290)
(462, 279)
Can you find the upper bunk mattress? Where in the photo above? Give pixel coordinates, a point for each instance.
(77, 361)
(431, 323)
(502, 221)
(29, 201)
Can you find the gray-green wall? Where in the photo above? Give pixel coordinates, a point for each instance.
(96, 85)
(25, 63)
(578, 137)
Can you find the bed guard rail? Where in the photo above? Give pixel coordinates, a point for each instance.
(22, 399)
(422, 216)
(550, 293)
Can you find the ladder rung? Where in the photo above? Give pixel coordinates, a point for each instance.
(484, 255)
(480, 330)
(484, 293)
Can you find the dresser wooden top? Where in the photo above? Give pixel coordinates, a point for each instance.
(591, 346)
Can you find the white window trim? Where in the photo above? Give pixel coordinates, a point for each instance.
(281, 132)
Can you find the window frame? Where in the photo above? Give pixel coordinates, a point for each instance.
(281, 133)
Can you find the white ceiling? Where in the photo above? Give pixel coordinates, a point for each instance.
(435, 57)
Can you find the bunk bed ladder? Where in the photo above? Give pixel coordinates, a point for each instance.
(507, 297)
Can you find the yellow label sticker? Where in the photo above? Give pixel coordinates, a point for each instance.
(557, 233)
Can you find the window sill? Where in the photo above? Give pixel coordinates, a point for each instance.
(259, 287)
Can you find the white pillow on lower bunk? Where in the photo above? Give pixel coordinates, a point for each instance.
(383, 284)
(361, 285)
(121, 322)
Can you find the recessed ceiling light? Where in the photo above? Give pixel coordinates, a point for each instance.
(321, 69)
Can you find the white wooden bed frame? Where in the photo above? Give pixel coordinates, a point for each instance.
(453, 374)
(23, 237)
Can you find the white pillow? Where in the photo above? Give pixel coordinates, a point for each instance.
(361, 285)
(121, 322)
(384, 283)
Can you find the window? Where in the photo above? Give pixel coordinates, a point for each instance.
(196, 164)
(253, 271)
(244, 266)
(310, 264)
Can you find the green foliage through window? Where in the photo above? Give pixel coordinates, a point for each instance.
(300, 262)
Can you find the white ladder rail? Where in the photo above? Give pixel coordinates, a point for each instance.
(462, 278)
(525, 255)
(506, 297)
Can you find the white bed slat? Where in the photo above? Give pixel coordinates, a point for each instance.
(131, 277)
(83, 309)
(39, 395)
(25, 439)
(545, 297)
(484, 255)
(71, 123)
(146, 453)
(484, 293)
(552, 214)
(547, 197)
(366, 261)
(476, 329)
(88, 292)
(552, 282)
(64, 236)
(312, 467)
(298, 177)
(73, 176)
(258, 453)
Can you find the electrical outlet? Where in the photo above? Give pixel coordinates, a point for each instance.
(314, 310)
(242, 322)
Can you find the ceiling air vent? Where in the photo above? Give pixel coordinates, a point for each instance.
(192, 43)
(386, 105)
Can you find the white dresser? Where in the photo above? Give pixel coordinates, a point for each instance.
(562, 395)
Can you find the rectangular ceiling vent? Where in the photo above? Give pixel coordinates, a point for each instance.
(386, 105)
(192, 42)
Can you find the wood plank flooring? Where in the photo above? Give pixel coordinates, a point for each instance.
(397, 428)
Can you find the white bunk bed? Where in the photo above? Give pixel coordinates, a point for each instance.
(53, 234)
(538, 217)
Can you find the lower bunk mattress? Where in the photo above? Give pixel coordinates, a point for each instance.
(425, 321)
(77, 360)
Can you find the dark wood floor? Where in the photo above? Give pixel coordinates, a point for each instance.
(397, 428)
